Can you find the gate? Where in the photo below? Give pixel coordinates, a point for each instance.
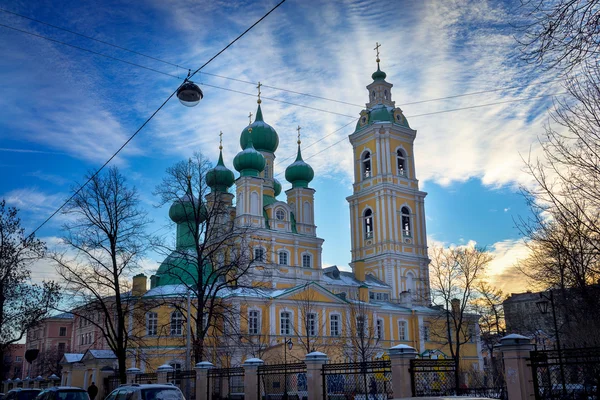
(282, 382)
(371, 380)
(566, 374)
(186, 381)
(432, 377)
(225, 383)
(111, 383)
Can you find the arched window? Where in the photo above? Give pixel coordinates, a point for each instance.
(306, 261)
(368, 217)
(402, 330)
(401, 161)
(406, 225)
(385, 94)
(373, 95)
(283, 257)
(366, 165)
(280, 214)
(176, 323)
(254, 322)
(151, 324)
(254, 203)
(410, 282)
(267, 170)
(306, 211)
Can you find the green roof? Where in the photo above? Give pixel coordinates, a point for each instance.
(249, 162)
(263, 136)
(299, 173)
(220, 178)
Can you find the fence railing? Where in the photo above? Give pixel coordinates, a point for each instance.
(566, 374)
(111, 383)
(432, 377)
(149, 377)
(282, 382)
(186, 381)
(226, 383)
(359, 381)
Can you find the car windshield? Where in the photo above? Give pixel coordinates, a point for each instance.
(161, 394)
(71, 395)
(27, 394)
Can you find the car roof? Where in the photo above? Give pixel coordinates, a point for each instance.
(149, 385)
(54, 388)
(25, 389)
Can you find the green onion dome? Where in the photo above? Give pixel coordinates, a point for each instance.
(183, 209)
(276, 187)
(299, 173)
(220, 178)
(264, 137)
(249, 162)
(378, 75)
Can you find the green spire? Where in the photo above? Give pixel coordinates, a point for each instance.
(249, 162)
(299, 173)
(220, 178)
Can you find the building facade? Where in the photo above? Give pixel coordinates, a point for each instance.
(14, 362)
(53, 338)
(288, 296)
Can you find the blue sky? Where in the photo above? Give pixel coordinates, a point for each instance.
(64, 111)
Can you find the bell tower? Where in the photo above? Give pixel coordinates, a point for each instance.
(387, 211)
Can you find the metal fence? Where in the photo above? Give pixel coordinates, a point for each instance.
(111, 383)
(149, 377)
(186, 381)
(282, 382)
(226, 383)
(370, 380)
(432, 377)
(566, 374)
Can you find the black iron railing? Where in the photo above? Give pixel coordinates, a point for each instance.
(226, 383)
(282, 382)
(370, 380)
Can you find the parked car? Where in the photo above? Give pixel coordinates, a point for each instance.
(22, 394)
(63, 393)
(135, 391)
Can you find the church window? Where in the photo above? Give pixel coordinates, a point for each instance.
(379, 329)
(373, 95)
(334, 325)
(426, 334)
(311, 324)
(406, 225)
(283, 258)
(361, 325)
(267, 170)
(176, 323)
(254, 322)
(259, 254)
(368, 217)
(366, 165)
(410, 282)
(254, 203)
(401, 160)
(175, 365)
(286, 323)
(280, 214)
(306, 211)
(385, 94)
(151, 324)
(306, 261)
(402, 329)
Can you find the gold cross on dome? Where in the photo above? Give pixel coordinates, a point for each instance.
(250, 118)
(377, 46)
(258, 87)
(220, 140)
(298, 129)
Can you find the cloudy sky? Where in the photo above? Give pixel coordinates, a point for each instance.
(65, 109)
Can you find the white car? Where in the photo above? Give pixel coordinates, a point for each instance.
(135, 391)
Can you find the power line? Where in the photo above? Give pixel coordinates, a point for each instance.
(236, 79)
(149, 119)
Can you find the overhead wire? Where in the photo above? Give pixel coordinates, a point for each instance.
(514, 87)
(149, 119)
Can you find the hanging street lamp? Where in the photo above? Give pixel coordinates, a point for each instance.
(189, 94)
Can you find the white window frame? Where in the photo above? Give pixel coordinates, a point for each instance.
(406, 232)
(176, 323)
(338, 331)
(309, 258)
(368, 222)
(287, 257)
(401, 156)
(263, 257)
(151, 322)
(290, 318)
(403, 330)
(254, 321)
(280, 211)
(380, 328)
(366, 156)
(312, 320)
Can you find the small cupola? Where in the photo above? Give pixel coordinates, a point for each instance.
(220, 178)
(264, 137)
(249, 162)
(299, 173)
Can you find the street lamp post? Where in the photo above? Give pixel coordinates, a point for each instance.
(542, 306)
(286, 343)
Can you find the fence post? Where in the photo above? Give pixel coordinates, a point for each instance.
(162, 373)
(202, 379)
(314, 380)
(519, 378)
(400, 357)
(251, 378)
(131, 373)
(5, 386)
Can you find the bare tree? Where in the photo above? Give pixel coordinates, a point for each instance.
(455, 273)
(362, 338)
(104, 242)
(212, 254)
(312, 328)
(560, 34)
(23, 304)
